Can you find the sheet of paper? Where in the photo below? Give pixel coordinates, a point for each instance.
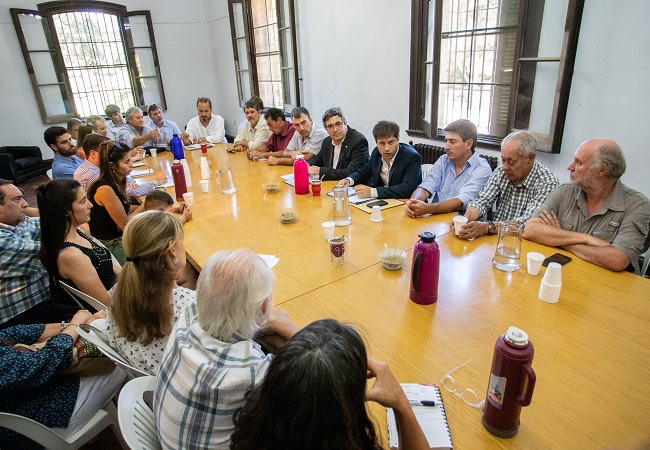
(139, 173)
(137, 164)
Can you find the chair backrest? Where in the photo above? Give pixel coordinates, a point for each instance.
(49, 174)
(136, 418)
(77, 294)
(493, 161)
(98, 338)
(426, 168)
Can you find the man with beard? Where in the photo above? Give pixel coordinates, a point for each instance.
(595, 217)
(206, 127)
(60, 141)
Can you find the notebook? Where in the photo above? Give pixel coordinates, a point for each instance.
(432, 419)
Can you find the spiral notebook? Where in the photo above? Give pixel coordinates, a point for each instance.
(432, 418)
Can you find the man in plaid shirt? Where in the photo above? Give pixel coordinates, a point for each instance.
(519, 185)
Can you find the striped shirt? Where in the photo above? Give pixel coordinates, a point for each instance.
(88, 173)
(201, 383)
(23, 279)
(516, 202)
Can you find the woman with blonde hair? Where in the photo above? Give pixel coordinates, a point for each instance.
(146, 301)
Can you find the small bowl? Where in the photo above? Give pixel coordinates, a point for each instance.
(288, 215)
(271, 188)
(392, 258)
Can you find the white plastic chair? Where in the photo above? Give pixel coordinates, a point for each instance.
(426, 168)
(44, 436)
(76, 294)
(49, 174)
(98, 338)
(136, 418)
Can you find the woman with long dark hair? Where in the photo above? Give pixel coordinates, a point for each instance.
(67, 253)
(111, 208)
(314, 396)
(146, 301)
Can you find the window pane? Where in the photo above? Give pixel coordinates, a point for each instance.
(548, 39)
(286, 47)
(53, 101)
(266, 93)
(150, 91)
(264, 68)
(271, 15)
(262, 40)
(242, 54)
(238, 19)
(289, 90)
(284, 18)
(245, 79)
(139, 30)
(144, 62)
(537, 86)
(44, 68)
(95, 59)
(258, 8)
(33, 32)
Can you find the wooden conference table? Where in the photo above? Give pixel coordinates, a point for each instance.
(592, 352)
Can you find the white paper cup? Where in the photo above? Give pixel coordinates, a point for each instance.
(153, 152)
(553, 274)
(375, 216)
(205, 184)
(188, 198)
(535, 261)
(328, 229)
(459, 221)
(550, 293)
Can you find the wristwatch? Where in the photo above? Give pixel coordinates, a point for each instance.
(492, 229)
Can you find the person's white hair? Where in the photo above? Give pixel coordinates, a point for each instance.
(231, 292)
(527, 142)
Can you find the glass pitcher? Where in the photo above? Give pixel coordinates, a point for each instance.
(225, 179)
(161, 141)
(507, 256)
(341, 207)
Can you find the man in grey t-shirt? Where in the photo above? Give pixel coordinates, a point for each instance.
(595, 217)
(307, 139)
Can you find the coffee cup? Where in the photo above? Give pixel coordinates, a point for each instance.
(459, 221)
(535, 261)
(188, 198)
(205, 184)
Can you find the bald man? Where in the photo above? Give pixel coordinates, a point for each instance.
(595, 217)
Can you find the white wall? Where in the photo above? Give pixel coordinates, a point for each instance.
(185, 58)
(355, 54)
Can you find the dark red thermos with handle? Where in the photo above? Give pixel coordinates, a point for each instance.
(511, 383)
(425, 270)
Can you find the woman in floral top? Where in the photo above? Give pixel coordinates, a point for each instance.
(146, 301)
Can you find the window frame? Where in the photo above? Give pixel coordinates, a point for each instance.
(46, 11)
(419, 127)
(250, 48)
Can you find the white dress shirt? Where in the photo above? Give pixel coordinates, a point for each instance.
(214, 132)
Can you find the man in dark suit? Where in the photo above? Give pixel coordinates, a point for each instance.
(394, 169)
(343, 152)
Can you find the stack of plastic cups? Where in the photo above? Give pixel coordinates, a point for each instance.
(205, 168)
(188, 177)
(549, 289)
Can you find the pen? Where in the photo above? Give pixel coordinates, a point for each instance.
(422, 402)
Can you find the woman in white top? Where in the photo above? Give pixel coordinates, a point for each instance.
(253, 132)
(146, 302)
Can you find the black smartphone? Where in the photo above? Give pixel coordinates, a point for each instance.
(376, 203)
(556, 258)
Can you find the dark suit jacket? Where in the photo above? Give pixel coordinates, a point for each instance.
(353, 156)
(404, 177)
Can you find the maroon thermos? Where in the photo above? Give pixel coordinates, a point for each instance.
(511, 384)
(178, 174)
(425, 270)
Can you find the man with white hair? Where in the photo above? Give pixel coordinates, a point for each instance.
(520, 184)
(211, 360)
(595, 216)
(133, 133)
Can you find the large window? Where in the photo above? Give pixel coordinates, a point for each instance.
(82, 56)
(264, 42)
(503, 64)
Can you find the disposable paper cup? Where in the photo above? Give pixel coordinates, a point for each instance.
(535, 261)
(459, 221)
(153, 152)
(328, 230)
(375, 216)
(188, 197)
(205, 184)
(553, 274)
(550, 293)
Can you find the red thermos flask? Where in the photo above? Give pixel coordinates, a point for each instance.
(178, 174)
(511, 384)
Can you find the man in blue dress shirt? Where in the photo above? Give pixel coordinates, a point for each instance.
(65, 162)
(456, 178)
(159, 123)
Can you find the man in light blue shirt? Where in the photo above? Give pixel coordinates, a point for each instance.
(65, 162)
(456, 178)
(161, 124)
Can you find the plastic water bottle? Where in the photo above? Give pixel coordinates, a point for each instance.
(178, 174)
(177, 147)
(301, 175)
(511, 383)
